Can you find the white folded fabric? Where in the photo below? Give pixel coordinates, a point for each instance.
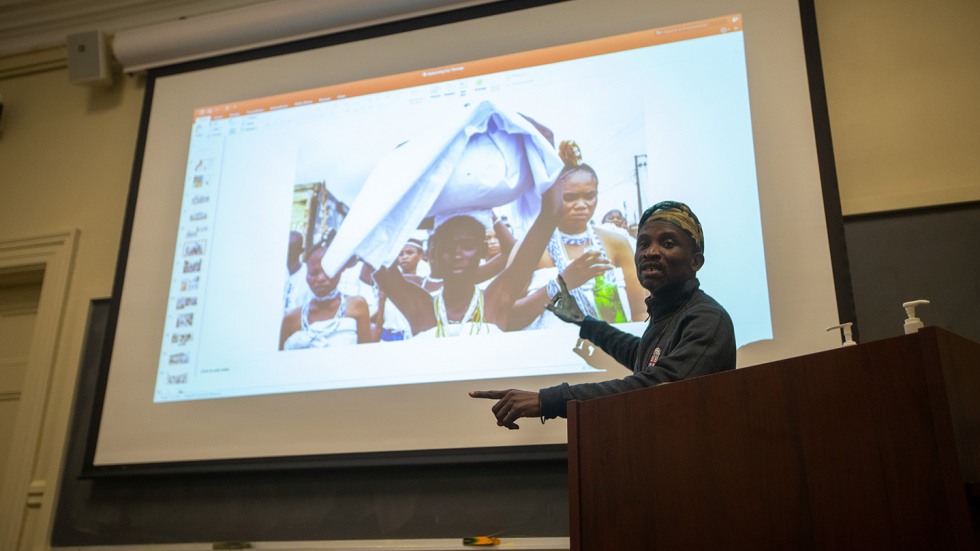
(487, 158)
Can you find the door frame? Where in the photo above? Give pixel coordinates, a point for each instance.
(55, 254)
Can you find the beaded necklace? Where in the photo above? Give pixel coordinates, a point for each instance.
(341, 308)
(556, 250)
(576, 239)
(330, 296)
(473, 315)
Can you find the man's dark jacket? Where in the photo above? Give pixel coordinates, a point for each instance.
(694, 336)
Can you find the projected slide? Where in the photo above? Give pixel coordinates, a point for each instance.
(358, 235)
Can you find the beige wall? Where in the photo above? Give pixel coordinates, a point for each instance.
(65, 157)
(903, 81)
(903, 89)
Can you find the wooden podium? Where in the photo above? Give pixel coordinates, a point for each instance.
(874, 446)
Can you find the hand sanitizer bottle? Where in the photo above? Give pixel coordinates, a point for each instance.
(846, 330)
(912, 324)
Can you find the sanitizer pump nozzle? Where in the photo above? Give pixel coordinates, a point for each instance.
(912, 324)
(846, 330)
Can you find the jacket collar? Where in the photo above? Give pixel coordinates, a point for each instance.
(670, 300)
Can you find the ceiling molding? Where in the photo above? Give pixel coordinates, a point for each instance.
(27, 26)
(35, 61)
(152, 33)
(266, 24)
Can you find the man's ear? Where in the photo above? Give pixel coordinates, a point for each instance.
(697, 261)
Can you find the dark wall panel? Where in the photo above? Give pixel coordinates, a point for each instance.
(511, 499)
(931, 254)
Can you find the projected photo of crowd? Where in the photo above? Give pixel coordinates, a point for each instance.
(411, 229)
(461, 231)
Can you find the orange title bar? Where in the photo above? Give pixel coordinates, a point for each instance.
(521, 60)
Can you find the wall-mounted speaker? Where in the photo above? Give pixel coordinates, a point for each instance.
(89, 60)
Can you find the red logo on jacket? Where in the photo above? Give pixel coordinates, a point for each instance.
(654, 357)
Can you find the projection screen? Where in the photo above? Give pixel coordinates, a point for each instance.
(228, 346)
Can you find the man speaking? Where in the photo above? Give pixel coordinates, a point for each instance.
(689, 334)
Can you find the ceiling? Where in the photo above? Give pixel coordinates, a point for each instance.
(29, 25)
(33, 32)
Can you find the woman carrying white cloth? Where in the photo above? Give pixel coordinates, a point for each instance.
(596, 264)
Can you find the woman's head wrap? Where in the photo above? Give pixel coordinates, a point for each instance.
(416, 242)
(678, 214)
(571, 156)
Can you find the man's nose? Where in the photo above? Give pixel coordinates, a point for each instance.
(651, 251)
